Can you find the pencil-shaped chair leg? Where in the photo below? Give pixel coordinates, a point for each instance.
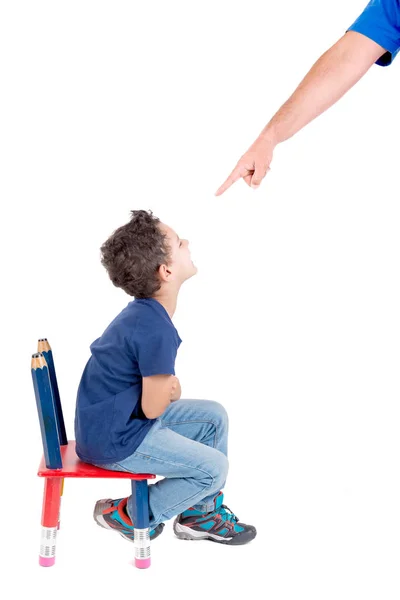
(61, 493)
(140, 517)
(50, 513)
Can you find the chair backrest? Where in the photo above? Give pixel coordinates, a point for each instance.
(45, 348)
(48, 405)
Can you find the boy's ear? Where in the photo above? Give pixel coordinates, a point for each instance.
(164, 272)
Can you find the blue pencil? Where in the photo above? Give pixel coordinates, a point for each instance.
(45, 348)
(46, 411)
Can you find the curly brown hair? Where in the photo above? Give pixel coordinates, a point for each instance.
(133, 254)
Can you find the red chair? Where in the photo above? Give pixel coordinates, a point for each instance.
(60, 461)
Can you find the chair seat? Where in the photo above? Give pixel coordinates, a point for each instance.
(74, 467)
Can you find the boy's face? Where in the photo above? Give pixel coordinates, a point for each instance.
(181, 266)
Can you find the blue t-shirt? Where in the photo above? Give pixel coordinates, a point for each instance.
(109, 422)
(380, 22)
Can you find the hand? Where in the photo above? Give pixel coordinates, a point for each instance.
(253, 166)
(175, 389)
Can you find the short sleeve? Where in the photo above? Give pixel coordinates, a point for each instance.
(156, 351)
(380, 21)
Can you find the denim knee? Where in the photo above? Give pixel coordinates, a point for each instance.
(218, 413)
(219, 470)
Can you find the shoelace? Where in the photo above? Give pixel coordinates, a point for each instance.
(227, 514)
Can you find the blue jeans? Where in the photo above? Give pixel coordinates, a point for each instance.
(187, 445)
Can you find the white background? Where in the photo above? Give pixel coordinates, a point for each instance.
(292, 321)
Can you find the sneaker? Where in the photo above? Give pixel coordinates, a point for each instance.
(219, 525)
(112, 514)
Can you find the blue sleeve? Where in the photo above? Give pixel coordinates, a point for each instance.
(156, 352)
(380, 22)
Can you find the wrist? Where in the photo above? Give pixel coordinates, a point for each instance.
(269, 135)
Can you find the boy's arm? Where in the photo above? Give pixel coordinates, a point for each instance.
(155, 350)
(157, 394)
(176, 390)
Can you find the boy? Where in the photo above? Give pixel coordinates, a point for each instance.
(129, 415)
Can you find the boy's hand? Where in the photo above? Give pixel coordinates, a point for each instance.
(175, 390)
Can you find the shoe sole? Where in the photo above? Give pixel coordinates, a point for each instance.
(102, 505)
(187, 533)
